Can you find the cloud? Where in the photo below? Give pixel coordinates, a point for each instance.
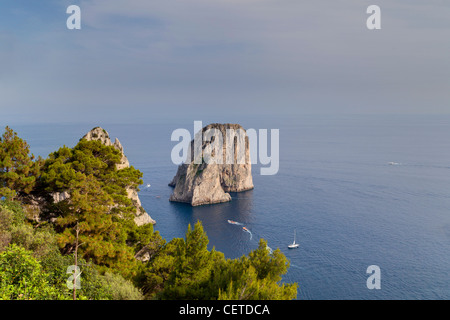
(206, 55)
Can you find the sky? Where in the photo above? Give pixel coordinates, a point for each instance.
(136, 59)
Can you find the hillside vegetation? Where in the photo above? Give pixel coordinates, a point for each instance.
(93, 228)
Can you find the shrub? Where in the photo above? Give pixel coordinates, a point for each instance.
(120, 288)
(22, 278)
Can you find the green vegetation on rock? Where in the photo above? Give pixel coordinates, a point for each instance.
(39, 236)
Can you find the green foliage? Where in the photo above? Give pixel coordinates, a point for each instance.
(39, 241)
(14, 210)
(98, 202)
(18, 171)
(119, 288)
(93, 286)
(21, 277)
(185, 269)
(90, 158)
(155, 275)
(16, 230)
(54, 264)
(41, 244)
(192, 267)
(256, 277)
(268, 266)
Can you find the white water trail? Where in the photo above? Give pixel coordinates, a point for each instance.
(251, 235)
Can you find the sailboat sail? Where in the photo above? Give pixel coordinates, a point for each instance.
(293, 244)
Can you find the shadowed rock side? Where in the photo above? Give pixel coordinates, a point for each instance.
(204, 183)
(142, 217)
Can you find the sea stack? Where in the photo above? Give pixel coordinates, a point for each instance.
(218, 162)
(142, 217)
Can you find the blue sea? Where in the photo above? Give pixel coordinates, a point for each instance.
(359, 190)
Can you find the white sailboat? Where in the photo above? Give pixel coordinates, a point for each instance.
(293, 245)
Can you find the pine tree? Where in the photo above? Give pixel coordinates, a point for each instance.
(256, 277)
(18, 171)
(98, 201)
(186, 269)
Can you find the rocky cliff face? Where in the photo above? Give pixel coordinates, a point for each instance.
(142, 217)
(199, 181)
(102, 135)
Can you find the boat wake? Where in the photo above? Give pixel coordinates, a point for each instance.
(246, 230)
(234, 222)
(243, 228)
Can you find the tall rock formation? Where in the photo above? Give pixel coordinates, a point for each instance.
(198, 181)
(142, 217)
